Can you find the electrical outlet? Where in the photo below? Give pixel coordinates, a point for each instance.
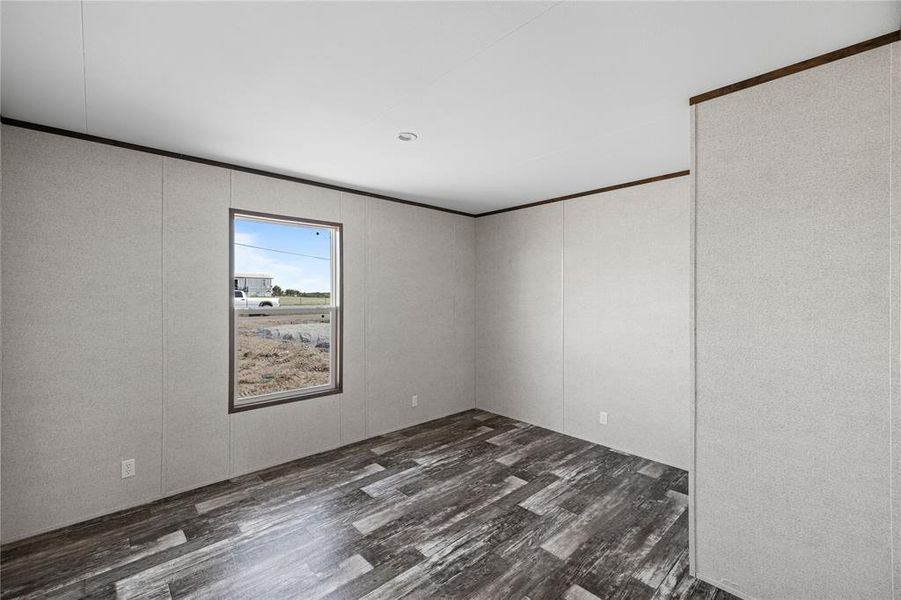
(414, 401)
(602, 418)
(128, 468)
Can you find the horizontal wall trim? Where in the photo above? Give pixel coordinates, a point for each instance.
(810, 63)
(224, 165)
(609, 188)
(217, 163)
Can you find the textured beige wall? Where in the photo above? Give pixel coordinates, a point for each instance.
(626, 336)
(583, 306)
(896, 313)
(418, 302)
(352, 407)
(82, 356)
(792, 473)
(1, 322)
(195, 305)
(106, 366)
(519, 315)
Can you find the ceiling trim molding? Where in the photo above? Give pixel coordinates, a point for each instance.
(215, 163)
(224, 165)
(810, 63)
(609, 188)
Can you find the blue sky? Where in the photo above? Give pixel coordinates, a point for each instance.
(301, 273)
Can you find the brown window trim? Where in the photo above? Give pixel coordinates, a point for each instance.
(339, 312)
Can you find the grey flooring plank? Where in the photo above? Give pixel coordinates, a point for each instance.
(474, 505)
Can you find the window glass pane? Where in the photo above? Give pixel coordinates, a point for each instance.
(284, 260)
(282, 267)
(279, 353)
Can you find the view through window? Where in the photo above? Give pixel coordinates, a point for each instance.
(286, 311)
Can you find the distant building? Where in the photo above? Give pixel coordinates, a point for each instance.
(254, 284)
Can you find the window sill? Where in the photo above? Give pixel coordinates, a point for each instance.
(233, 408)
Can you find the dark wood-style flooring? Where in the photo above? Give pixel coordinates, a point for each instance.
(470, 506)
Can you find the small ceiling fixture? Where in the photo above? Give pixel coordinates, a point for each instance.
(407, 136)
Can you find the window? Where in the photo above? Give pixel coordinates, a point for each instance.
(286, 309)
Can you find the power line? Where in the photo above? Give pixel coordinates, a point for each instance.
(283, 251)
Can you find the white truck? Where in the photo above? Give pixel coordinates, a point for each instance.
(242, 301)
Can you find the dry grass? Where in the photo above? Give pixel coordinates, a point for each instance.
(268, 365)
(302, 301)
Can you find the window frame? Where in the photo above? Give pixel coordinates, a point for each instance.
(335, 308)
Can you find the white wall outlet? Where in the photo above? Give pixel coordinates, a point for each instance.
(128, 468)
(414, 401)
(602, 418)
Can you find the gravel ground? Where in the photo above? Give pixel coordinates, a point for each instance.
(311, 334)
(282, 353)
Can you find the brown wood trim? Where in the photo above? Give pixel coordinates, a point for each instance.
(609, 188)
(234, 167)
(215, 163)
(810, 63)
(338, 347)
(332, 392)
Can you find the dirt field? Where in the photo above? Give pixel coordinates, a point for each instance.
(298, 301)
(268, 364)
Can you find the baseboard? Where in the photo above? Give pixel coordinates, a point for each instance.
(579, 437)
(157, 497)
(91, 517)
(726, 587)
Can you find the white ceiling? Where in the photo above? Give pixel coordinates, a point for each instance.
(513, 101)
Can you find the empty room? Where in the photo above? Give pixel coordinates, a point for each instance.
(496, 300)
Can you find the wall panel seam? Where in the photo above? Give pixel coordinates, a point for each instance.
(563, 315)
(474, 282)
(693, 328)
(894, 294)
(365, 280)
(164, 330)
(456, 265)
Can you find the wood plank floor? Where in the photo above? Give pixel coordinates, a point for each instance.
(470, 506)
